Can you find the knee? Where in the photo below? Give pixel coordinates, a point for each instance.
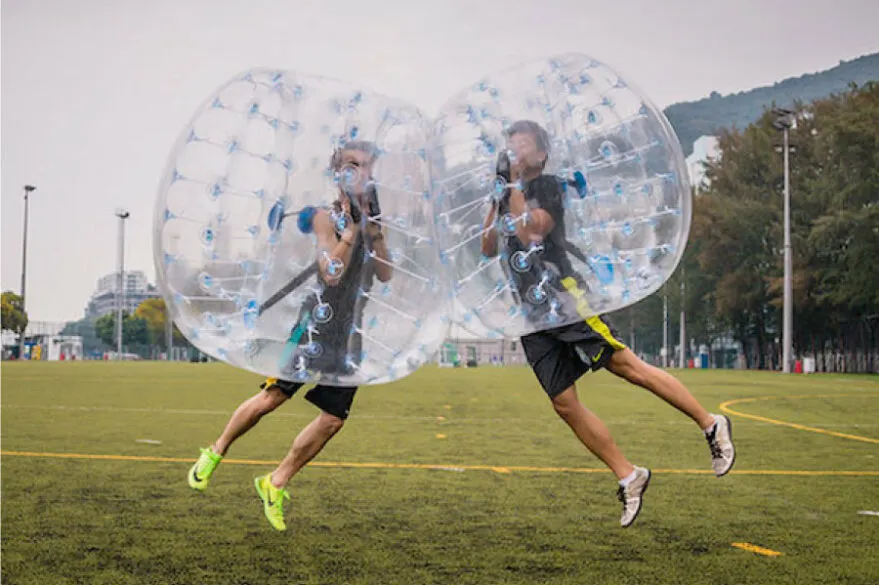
(639, 375)
(330, 424)
(564, 406)
(632, 370)
(268, 400)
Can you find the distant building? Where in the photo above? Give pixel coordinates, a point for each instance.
(136, 287)
(481, 352)
(705, 149)
(474, 345)
(43, 340)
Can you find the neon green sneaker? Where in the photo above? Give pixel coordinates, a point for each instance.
(272, 501)
(200, 473)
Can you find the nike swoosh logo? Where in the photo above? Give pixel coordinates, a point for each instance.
(195, 476)
(598, 357)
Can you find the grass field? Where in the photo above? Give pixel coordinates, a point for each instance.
(449, 476)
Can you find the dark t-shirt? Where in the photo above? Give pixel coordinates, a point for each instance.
(332, 313)
(536, 272)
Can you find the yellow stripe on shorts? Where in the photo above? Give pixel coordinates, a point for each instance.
(593, 321)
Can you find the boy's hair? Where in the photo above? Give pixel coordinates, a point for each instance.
(364, 146)
(541, 136)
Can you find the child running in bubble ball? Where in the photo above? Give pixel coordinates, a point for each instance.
(341, 275)
(560, 356)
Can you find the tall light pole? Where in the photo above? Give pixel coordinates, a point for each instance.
(683, 359)
(28, 189)
(665, 328)
(120, 280)
(784, 122)
(632, 330)
(169, 321)
(169, 334)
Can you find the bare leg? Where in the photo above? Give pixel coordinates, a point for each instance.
(247, 415)
(591, 431)
(306, 446)
(625, 364)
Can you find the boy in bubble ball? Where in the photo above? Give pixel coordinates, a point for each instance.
(341, 264)
(560, 356)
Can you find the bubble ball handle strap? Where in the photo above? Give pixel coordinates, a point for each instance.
(503, 167)
(503, 177)
(375, 209)
(578, 182)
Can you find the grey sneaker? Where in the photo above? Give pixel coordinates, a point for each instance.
(723, 452)
(632, 494)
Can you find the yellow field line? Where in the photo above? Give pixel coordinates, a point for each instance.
(768, 552)
(435, 466)
(725, 408)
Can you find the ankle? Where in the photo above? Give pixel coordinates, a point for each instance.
(625, 481)
(625, 473)
(275, 483)
(708, 423)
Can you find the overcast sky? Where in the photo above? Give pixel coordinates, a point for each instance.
(94, 92)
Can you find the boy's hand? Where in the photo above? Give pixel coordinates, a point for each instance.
(373, 228)
(515, 172)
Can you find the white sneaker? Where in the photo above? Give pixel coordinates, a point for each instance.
(723, 452)
(631, 496)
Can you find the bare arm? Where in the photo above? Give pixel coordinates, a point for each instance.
(538, 223)
(334, 256)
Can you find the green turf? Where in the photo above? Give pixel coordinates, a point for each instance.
(110, 521)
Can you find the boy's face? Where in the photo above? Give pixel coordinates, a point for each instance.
(524, 147)
(356, 170)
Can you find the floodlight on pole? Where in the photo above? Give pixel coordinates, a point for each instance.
(120, 280)
(665, 352)
(784, 122)
(683, 340)
(28, 189)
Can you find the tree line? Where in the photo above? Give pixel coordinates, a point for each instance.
(142, 332)
(733, 264)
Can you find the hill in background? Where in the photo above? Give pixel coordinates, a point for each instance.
(694, 119)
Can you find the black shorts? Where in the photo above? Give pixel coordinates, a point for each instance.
(334, 400)
(560, 356)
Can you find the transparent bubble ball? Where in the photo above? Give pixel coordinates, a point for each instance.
(236, 244)
(614, 180)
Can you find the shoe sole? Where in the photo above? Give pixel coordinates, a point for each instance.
(733, 462)
(641, 501)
